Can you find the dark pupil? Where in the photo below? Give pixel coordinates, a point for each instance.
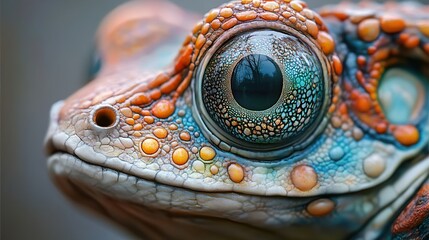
(256, 82)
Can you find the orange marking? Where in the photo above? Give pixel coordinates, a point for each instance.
(138, 127)
(207, 153)
(160, 133)
(424, 27)
(392, 24)
(338, 66)
(412, 42)
(163, 109)
(312, 28)
(229, 24)
(246, 16)
(271, 6)
(212, 15)
(160, 79)
(185, 136)
(155, 94)
(406, 135)
(140, 99)
(236, 173)
(148, 119)
(180, 156)
(369, 29)
(205, 28)
(381, 128)
(321, 207)
(201, 40)
(150, 146)
(269, 16)
(226, 12)
(326, 42)
(295, 5)
(184, 59)
(215, 24)
(362, 103)
(171, 85)
(304, 177)
(130, 121)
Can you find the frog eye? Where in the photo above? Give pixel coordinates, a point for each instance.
(402, 94)
(262, 90)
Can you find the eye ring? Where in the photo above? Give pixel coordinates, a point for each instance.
(104, 117)
(219, 137)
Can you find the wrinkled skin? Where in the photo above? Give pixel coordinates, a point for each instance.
(155, 143)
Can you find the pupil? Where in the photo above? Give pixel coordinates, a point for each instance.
(256, 82)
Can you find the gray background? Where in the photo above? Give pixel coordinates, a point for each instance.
(45, 47)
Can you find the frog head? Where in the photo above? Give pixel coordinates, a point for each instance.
(271, 119)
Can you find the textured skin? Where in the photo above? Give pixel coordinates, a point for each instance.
(136, 146)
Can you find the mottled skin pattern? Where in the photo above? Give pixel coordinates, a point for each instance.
(136, 145)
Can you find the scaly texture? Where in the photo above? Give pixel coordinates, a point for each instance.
(139, 139)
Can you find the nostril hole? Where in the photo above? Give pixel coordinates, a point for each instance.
(105, 117)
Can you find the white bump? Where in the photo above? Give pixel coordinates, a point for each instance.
(374, 165)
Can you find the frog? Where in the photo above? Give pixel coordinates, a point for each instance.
(264, 120)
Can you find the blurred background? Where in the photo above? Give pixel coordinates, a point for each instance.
(45, 52)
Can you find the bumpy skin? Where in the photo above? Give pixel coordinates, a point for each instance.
(135, 146)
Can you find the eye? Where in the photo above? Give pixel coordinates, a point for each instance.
(402, 94)
(263, 90)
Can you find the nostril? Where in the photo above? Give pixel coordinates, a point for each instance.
(104, 117)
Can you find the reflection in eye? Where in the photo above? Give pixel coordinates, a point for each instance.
(256, 82)
(263, 87)
(402, 94)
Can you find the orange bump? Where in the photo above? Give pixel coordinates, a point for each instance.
(295, 5)
(362, 104)
(424, 27)
(212, 15)
(312, 28)
(185, 136)
(214, 169)
(338, 66)
(326, 42)
(207, 153)
(246, 16)
(140, 99)
(160, 133)
(269, 16)
(138, 127)
(163, 109)
(180, 156)
(200, 41)
(130, 121)
(412, 42)
(215, 24)
(236, 172)
(392, 24)
(321, 207)
(304, 177)
(148, 119)
(406, 135)
(369, 29)
(150, 146)
(270, 6)
(226, 12)
(229, 24)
